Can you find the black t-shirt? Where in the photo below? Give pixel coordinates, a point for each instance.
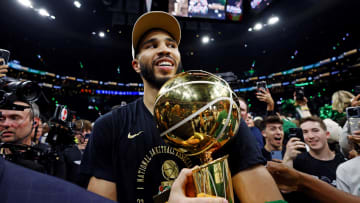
(323, 170)
(126, 148)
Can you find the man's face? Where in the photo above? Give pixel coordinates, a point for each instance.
(158, 58)
(243, 109)
(15, 126)
(314, 135)
(274, 134)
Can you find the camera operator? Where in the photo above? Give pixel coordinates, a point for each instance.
(16, 128)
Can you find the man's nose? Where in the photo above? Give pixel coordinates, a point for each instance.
(164, 49)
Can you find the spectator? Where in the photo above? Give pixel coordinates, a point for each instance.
(347, 174)
(274, 135)
(320, 161)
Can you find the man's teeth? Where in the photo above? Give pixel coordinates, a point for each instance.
(165, 63)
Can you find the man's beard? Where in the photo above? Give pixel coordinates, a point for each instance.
(148, 73)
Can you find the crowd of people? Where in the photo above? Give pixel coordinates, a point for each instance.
(276, 157)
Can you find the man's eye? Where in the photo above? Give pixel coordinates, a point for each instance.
(172, 45)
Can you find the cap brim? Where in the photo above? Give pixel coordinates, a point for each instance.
(155, 20)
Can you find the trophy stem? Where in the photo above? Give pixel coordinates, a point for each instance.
(214, 179)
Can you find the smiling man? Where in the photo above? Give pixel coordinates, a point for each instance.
(319, 161)
(126, 157)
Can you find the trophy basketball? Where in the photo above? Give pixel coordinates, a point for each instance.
(197, 113)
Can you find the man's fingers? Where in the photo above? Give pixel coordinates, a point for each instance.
(206, 200)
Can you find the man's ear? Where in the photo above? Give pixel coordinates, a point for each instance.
(36, 122)
(327, 134)
(136, 65)
(263, 133)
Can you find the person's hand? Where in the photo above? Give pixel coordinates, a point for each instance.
(292, 148)
(183, 190)
(355, 101)
(300, 103)
(355, 137)
(3, 68)
(265, 96)
(286, 178)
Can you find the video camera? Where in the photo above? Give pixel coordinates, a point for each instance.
(12, 90)
(61, 127)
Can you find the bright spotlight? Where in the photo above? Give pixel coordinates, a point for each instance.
(52, 17)
(26, 3)
(101, 34)
(250, 29)
(205, 40)
(77, 4)
(43, 12)
(258, 26)
(273, 20)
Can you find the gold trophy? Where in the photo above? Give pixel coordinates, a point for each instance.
(197, 113)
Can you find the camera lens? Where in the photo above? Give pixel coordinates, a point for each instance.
(28, 90)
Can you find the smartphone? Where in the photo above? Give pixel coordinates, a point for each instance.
(261, 85)
(353, 116)
(297, 132)
(4, 54)
(300, 93)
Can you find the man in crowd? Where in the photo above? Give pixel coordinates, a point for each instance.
(320, 161)
(274, 134)
(17, 126)
(254, 130)
(126, 157)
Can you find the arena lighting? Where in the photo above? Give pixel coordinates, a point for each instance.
(52, 17)
(77, 4)
(273, 20)
(258, 26)
(44, 12)
(250, 29)
(205, 39)
(26, 3)
(101, 34)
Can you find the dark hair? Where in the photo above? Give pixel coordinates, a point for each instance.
(137, 46)
(313, 119)
(271, 120)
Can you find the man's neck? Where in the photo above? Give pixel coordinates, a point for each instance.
(271, 148)
(150, 94)
(324, 154)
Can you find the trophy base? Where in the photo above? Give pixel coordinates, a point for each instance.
(214, 179)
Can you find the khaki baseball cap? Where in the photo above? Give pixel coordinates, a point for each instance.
(152, 20)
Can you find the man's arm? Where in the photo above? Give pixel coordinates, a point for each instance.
(103, 187)
(249, 182)
(287, 178)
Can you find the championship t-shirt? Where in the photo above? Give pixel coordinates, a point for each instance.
(126, 148)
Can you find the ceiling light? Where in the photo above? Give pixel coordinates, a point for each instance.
(101, 34)
(258, 26)
(273, 20)
(43, 12)
(77, 4)
(52, 17)
(250, 29)
(205, 39)
(26, 3)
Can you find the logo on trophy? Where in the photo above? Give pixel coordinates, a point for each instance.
(197, 113)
